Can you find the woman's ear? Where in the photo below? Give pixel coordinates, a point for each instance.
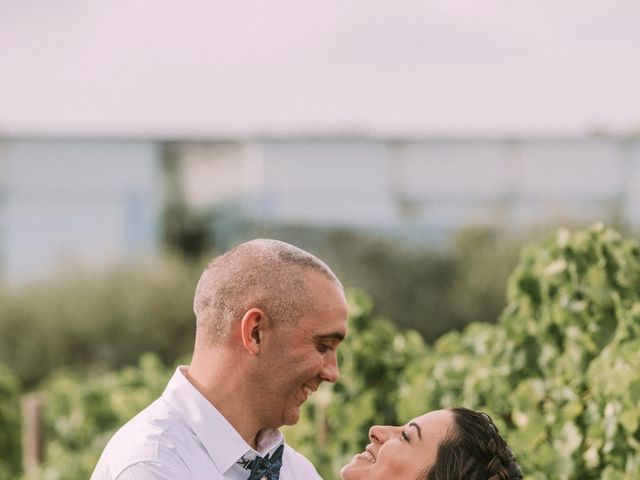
(252, 326)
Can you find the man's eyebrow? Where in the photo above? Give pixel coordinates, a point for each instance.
(338, 336)
(414, 424)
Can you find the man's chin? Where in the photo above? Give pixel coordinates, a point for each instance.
(292, 417)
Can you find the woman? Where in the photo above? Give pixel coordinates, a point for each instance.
(452, 444)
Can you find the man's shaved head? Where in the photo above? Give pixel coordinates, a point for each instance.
(265, 274)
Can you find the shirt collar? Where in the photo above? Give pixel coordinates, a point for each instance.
(223, 443)
(268, 442)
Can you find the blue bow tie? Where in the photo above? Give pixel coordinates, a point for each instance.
(267, 468)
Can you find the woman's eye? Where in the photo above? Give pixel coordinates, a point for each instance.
(405, 437)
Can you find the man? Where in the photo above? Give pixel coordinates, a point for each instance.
(269, 320)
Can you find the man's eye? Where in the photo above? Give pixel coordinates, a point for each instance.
(323, 348)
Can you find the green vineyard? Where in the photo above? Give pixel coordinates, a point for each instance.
(559, 372)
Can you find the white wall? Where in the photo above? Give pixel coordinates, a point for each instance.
(85, 200)
(439, 184)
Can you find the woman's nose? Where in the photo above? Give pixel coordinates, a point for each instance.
(379, 433)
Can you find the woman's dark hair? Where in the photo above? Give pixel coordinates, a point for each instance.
(473, 450)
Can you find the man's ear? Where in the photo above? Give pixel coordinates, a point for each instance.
(252, 328)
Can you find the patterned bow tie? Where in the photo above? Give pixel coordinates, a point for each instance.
(267, 468)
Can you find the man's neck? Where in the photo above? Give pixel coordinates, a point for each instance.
(228, 395)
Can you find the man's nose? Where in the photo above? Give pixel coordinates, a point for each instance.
(330, 372)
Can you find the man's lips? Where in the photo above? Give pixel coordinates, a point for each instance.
(308, 390)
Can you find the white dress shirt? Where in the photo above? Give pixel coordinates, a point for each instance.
(181, 436)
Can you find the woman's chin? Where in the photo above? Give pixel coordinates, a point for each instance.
(344, 473)
(352, 470)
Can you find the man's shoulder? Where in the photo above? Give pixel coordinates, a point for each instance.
(298, 465)
(150, 436)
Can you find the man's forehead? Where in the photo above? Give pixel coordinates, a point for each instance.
(327, 298)
(327, 326)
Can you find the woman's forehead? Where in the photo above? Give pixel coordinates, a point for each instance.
(434, 422)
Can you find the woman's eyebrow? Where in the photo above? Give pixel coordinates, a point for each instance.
(414, 424)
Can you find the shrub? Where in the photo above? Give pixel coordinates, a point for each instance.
(99, 321)
(561, 370)
(574, 320)
(82, 414)
(10, 459)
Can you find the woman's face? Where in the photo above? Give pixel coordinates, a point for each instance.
(400, 453)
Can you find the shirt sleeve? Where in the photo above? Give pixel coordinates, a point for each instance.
(151, 470)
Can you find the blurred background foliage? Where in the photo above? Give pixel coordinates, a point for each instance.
(559, 372)
(86, 319)
(98, 321)
(9, 424)
(431, 289)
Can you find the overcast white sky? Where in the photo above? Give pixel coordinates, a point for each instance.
(210, 67)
